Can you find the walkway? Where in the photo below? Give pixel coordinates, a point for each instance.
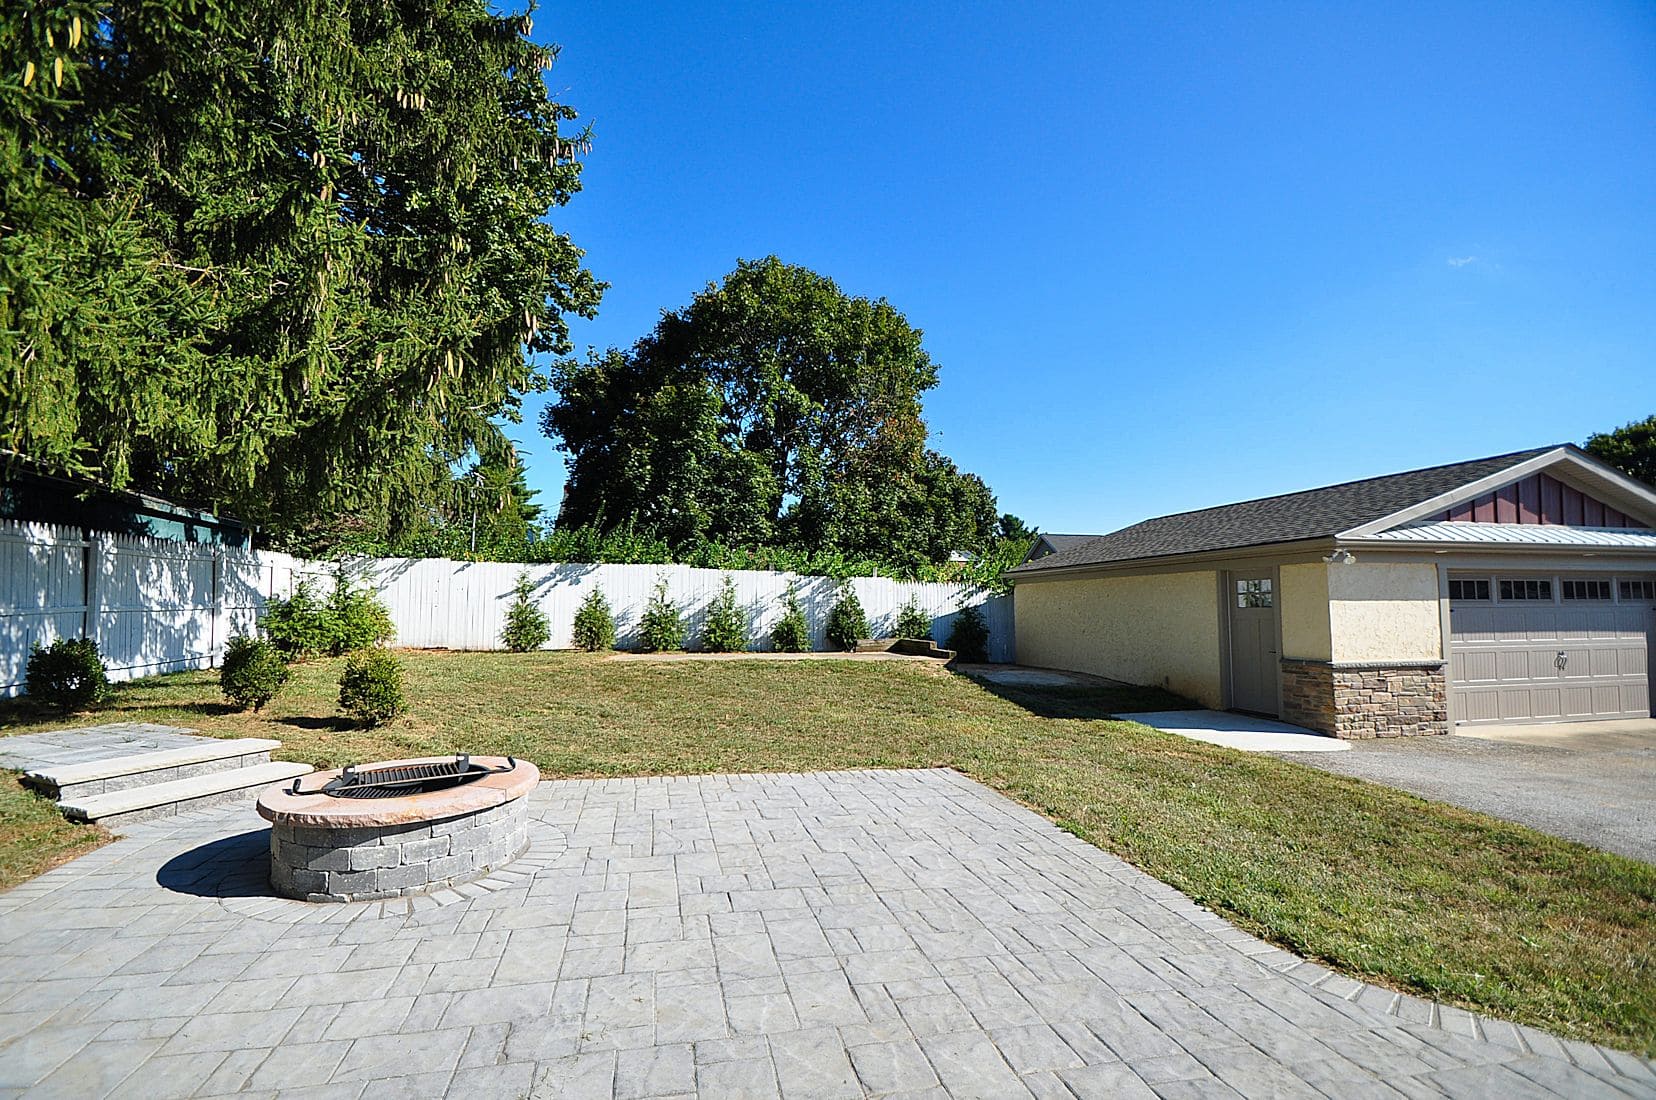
(823, 935)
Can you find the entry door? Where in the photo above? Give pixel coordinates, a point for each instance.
(1253, 643)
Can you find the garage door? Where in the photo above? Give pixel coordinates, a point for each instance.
(1549, 649)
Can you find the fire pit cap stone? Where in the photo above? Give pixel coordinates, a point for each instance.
(313, 809)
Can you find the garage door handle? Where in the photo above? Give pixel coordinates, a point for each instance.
(1561, 660)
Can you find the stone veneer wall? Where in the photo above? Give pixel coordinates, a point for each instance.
(1399, 699)
(365, 862)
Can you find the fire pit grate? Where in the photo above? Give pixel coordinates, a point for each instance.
(395, 781)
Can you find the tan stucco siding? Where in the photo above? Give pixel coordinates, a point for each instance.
(1160, 629)
(1306, 632)
(1384, 612)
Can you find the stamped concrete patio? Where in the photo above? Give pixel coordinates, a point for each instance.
(823, 935)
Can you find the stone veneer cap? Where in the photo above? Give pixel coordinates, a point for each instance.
(322, 811)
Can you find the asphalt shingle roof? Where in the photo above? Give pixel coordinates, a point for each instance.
(1310, 514)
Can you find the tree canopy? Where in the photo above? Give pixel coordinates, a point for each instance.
(773, 409)
(1630, 448)
(285, 259)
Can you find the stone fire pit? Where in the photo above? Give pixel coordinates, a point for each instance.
(398, 827)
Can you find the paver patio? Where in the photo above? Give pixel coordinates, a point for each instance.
(831, 934)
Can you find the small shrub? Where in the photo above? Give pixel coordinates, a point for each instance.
(252, 672)
(846, 622)
(662, 625)
(793, 633)
(594, 623)
(912, 622)
(526, 626)
(726, 627)
(358, 618)
(370, 688)
(299, 626)
(67, 674)
(970, 636)
(304, 626)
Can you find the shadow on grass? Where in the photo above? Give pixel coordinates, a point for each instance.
(232, 867)
(333, 724)
(1084, 701)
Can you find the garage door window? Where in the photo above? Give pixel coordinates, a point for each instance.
(1475, 589)
(1638, 590)
(1526, 590)
(1587, 590)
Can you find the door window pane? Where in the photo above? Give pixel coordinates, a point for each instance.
(1253, 593)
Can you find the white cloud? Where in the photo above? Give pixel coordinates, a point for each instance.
(1461, 261)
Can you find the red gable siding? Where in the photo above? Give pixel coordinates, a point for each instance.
(1538, 499)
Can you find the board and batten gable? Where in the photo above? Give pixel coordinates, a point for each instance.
(1158, 628)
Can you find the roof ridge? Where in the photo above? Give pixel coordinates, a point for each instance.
(1530, 452)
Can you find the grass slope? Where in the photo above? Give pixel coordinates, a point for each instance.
(1380, 884)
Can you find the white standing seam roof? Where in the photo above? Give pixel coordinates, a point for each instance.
(1523, 534)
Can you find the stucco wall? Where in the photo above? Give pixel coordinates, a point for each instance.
(1384, 612)
(1304, 602)
(1161, 629)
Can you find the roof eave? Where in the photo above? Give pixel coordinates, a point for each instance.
(1197, 557)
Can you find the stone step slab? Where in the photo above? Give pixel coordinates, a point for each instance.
(76, 781)
(135, 804)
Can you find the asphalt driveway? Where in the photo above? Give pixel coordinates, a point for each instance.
(1594, 782)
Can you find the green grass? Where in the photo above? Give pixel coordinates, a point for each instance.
(1378, 884)
(34, 837)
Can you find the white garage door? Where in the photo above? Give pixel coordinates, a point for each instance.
(1526, 648)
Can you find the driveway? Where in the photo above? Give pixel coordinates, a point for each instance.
(1594, 782)
(847, 934)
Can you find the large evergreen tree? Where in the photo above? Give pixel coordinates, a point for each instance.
(773, 409)
(281, 257)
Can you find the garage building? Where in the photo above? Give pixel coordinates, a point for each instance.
(1514, 589)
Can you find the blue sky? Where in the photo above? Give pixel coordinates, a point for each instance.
(1166, 255)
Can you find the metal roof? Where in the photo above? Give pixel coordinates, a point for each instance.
(1511, 534)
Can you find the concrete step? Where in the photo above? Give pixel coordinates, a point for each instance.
(179, 795)
(76, 781)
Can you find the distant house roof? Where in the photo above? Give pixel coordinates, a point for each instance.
(32, 495)
(1291, 517)
(1045, 544)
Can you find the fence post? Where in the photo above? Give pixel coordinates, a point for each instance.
(93, 566)
(215, 641)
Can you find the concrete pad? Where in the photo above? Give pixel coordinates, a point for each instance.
(1629, 733)
(1238, 731)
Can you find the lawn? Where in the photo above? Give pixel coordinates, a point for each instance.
(1378, 884)
(34, 837)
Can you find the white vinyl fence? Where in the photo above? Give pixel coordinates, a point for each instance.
(156, 605)
(462, 604)
(152, 605)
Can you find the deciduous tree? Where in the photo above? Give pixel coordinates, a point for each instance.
(773, 409)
